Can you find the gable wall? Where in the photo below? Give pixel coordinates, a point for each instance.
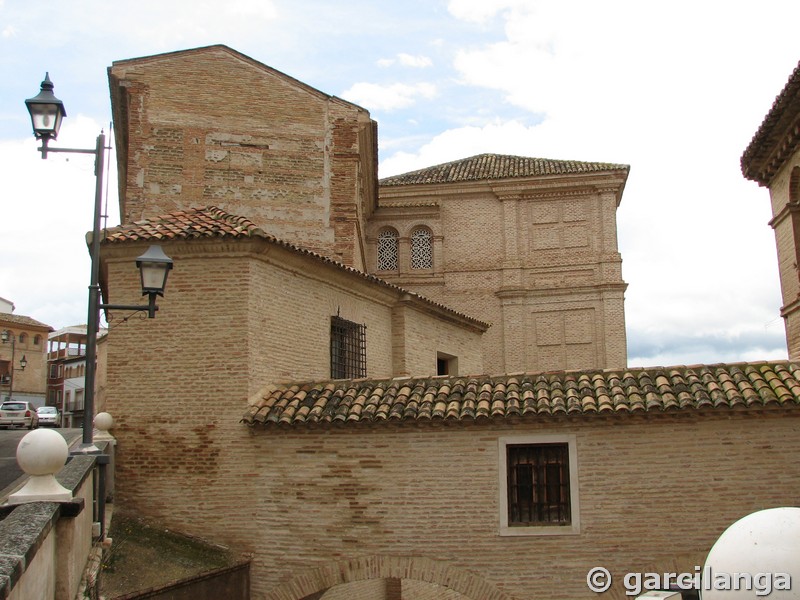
(211, 128)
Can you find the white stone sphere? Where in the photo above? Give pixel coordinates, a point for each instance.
(766, 542)
(103, 421)
(42, 452)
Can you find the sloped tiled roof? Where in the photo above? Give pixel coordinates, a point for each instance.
(497, 166)
(211, 221)
(625, 391)
(778, 136)
(185, 224)
(23, 321)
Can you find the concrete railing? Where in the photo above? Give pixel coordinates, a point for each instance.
(46, 545)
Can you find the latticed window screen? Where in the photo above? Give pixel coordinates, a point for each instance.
(387, 250)
(348, 349)
(538, 484)
(421, 249)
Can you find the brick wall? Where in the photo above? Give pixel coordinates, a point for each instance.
(213, 127)
(237, 316)
(785, 196)
(420, 504)
(536, 258)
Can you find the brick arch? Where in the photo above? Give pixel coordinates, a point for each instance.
(311, 584)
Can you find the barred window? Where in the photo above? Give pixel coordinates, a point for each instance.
(421, 248)
(348, 349)
(387, 250)
(538, 484)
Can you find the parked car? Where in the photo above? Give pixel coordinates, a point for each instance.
(49, 415)
(17, 413)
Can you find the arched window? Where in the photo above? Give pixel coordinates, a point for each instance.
(22, 338)
(37, 339)
(421, 248)
(387, 250)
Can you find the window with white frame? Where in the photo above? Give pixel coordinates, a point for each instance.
(538, 485)
(387, 250)
(421, 248)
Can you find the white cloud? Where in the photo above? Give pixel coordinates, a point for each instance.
(373, 96)
(407, 60)
(480, 11)
(9, 31)
(509, 137)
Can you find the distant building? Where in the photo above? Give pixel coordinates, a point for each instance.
(66, 371)
(6, 306)
(27, 339)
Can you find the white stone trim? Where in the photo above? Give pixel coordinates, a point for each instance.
(504, 529)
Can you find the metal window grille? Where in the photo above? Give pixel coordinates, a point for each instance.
(348, 349)
(387, 250)
(421, 249)
(538, 484)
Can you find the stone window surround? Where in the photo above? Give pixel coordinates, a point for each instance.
(536, 530)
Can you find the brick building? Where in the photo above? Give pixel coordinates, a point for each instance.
(773, 160)
(311, 392)
(527, 245)
(23, 337)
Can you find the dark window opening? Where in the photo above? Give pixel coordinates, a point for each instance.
(446, 364)
(348, 349)
(538, 484)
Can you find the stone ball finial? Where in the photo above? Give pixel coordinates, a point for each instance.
(42, 452)
(103, 421)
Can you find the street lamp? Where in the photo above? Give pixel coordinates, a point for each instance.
(47, 112)
(7, 336)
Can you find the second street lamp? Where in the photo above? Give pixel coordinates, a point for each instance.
(46, 113)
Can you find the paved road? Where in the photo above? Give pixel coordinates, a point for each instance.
(9, 469)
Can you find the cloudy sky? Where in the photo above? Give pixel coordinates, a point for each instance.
(675, 90)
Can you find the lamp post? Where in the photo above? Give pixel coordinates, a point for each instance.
(5, 336)
(46, 113)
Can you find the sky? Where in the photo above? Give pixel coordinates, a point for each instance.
(675, 90)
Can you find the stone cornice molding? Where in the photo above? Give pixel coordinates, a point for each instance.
(574, 184)
(788, 209)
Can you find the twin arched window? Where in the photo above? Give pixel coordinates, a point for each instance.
(421, 249)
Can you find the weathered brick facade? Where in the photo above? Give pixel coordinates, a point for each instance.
(212, 126)
(534, 254)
